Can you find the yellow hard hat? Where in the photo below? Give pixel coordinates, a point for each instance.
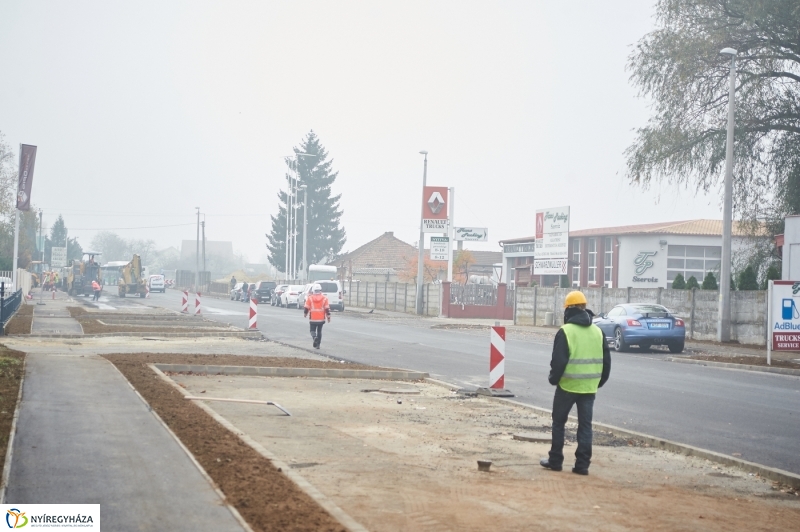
(575, 298)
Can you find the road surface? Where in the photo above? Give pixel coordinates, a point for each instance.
(728, 411)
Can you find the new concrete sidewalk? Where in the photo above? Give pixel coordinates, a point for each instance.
(84, 436)
(52, 317)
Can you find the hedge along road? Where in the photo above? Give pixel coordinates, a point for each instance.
(728, 411)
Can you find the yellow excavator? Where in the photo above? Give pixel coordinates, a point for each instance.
(130, 280)
(81, 274)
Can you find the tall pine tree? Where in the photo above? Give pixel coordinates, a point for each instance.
(326, 236)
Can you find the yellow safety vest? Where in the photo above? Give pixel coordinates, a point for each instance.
(585, 366)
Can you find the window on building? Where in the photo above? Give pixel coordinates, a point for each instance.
(592, 250)
(608, 265)
(576, 259)
(692, 261)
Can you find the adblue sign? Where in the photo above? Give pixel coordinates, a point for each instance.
(784, 318)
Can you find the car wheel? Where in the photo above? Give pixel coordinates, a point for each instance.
(676, 347)
(619, 341)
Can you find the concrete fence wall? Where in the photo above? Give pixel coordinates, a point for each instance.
(399, 297)
(699, 308)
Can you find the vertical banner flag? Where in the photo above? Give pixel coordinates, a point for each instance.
(434, 210)
(27, 159)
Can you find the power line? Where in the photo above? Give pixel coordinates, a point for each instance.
(124, 228)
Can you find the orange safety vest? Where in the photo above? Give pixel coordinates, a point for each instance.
(318, 307)
(95, 286)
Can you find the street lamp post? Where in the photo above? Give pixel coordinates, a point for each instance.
(304, 188)
(421, 245)
(197, 255)
(724, 319)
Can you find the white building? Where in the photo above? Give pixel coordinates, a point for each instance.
(638, 256)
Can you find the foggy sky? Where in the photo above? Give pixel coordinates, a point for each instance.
(143, 111)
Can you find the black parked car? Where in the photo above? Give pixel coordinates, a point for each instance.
(263, 291)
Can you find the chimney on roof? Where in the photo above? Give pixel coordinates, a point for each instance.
(389, 233)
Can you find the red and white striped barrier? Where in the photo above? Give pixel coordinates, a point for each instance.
(146, 291)
(253, 314)
(185, 302)
(497, 357)
(197, 304)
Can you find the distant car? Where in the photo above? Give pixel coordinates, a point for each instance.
(644, 325)
(289, 297)
(304, 295)
(155, 283)
(276, 294)
(236, 292)
(263, 291)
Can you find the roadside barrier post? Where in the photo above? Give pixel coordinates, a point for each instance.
(197, 311)
(146, 291)
(185, 302)
(253, 314)
(497, 365)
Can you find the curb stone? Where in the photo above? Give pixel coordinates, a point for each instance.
(771, 473)
(294, 372)
(731, 365)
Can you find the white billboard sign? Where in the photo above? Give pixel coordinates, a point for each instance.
(439, 247)
(783, 317)
(472, 234)
(58, 257)
(435, 225)
(550, 266)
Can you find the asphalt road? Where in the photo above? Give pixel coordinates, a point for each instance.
(728, 411)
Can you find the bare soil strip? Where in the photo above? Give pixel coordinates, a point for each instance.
(11, 371)
(262, 494)
(22, 320)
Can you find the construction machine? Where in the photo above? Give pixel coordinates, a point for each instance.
(81, 274)
(130, 279)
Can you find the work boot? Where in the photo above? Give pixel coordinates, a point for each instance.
(580, 471)
(545, 463)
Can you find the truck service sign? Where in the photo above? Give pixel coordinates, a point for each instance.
(785, 315)
(434, 210)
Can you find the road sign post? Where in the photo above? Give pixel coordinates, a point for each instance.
(253, 323)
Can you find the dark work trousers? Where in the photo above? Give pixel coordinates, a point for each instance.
(316, 331)
(562, 404)
(96, 295)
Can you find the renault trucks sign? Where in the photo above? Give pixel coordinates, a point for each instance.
(434, 210)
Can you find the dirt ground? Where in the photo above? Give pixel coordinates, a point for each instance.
(412, 465)
(750, 360)
(266, 498)
(11, 364)
(21, 322)
(99, 323)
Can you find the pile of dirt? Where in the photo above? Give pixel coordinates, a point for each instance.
(21, 322)
(77, 312)
(750, 360)
(263, 495)
(11, 371)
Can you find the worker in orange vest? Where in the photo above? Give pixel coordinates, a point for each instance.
(96, 287)
(318, 311)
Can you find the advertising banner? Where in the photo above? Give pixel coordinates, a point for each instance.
(472, 234)
(58, 257)
(27, 159)
(439, 247)
(784, 315)
(550, 266)
(434, 210)
(552, 237)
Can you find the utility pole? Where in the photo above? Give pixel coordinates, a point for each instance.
(724, 319)
(288, 207)
(421, 258)
(41, 242)
(203, 224)
(197, 255)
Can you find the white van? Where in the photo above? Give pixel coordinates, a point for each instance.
(156, 283)
(333, 291)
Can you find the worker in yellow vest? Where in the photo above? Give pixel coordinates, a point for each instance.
(580, 365)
